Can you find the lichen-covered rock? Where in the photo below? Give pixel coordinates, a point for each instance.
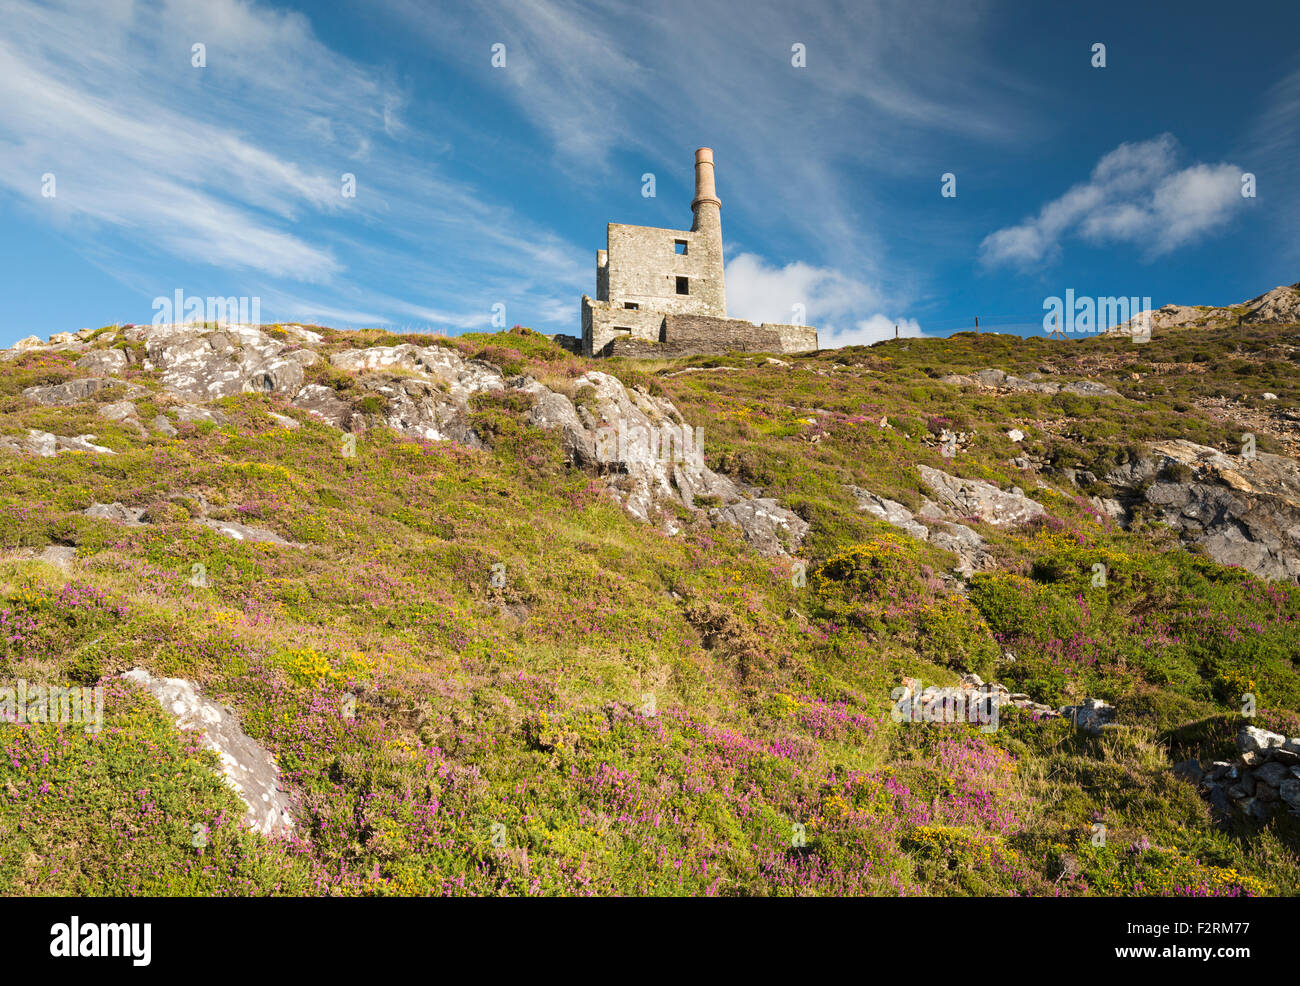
(245, 765)
(976, 498)
(72, 391)
(103, 362)
(767, 526)
(1243, 511)
(890, 511)
(650, 459)
(324, 403)
(199, 364)
(45, 444)
(422, 408)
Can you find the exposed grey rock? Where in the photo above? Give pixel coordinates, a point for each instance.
(58, 555)
(45, 445)
(1242, 511)
(768, 527)
(284, 421)
(124, 413)
(424, 408)
(1091, 715)
(199, 364)
(116, 512)
(324, 403)
(974, 497)
(242, 532)
(1289, 791)
(1280, 306)
(103, 362)
(555, 412)
(194, 414)
(163, 426)
(1272, 773)
(245, 765)
(461, 377)
(1001, 380)
(890, 511)
(650, 458)
(1251, 739)
(968, 545)
(72, 391)
(1188, 770)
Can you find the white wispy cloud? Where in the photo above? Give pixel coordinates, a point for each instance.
(701, 73)
(236, 167)
(1136, 194)
(1270, 148)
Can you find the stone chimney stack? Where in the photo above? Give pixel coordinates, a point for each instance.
(708, 241)
(707, 208)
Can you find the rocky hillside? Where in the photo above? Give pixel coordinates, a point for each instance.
(1281, 306)
(421, 615)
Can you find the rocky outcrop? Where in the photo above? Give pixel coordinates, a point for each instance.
(1001, 380)
(201, 365)
(1280, 306)
(103, 362)
(326, 404)
(1263, 780)
(968, 545)
(425, 392)
(245, 765)
(45, 444)
(75, 391)
(976, 498)
(649, 459)
(1242, 511)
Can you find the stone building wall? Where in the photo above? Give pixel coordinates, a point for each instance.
(665, 289)
(645, 267)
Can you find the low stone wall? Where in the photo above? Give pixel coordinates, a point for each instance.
(694, 335)
(1265, 779)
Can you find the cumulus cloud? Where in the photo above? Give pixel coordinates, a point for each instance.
(868, 330)
(1136, 194)
(760, 292)
(822, 296)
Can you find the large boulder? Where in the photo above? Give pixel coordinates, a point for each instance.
(994, 379)
(245, 765)
(968, 545)
(103, 362)
(1242, 511)
(74, 391)
(202, 364)
(976, 498)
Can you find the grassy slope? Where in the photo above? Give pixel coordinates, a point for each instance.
(503, 740)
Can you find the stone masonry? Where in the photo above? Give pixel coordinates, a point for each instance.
(661, 292)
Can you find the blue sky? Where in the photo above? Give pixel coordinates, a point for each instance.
(479, 185)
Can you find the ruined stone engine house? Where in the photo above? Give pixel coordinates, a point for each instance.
(660, 292)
